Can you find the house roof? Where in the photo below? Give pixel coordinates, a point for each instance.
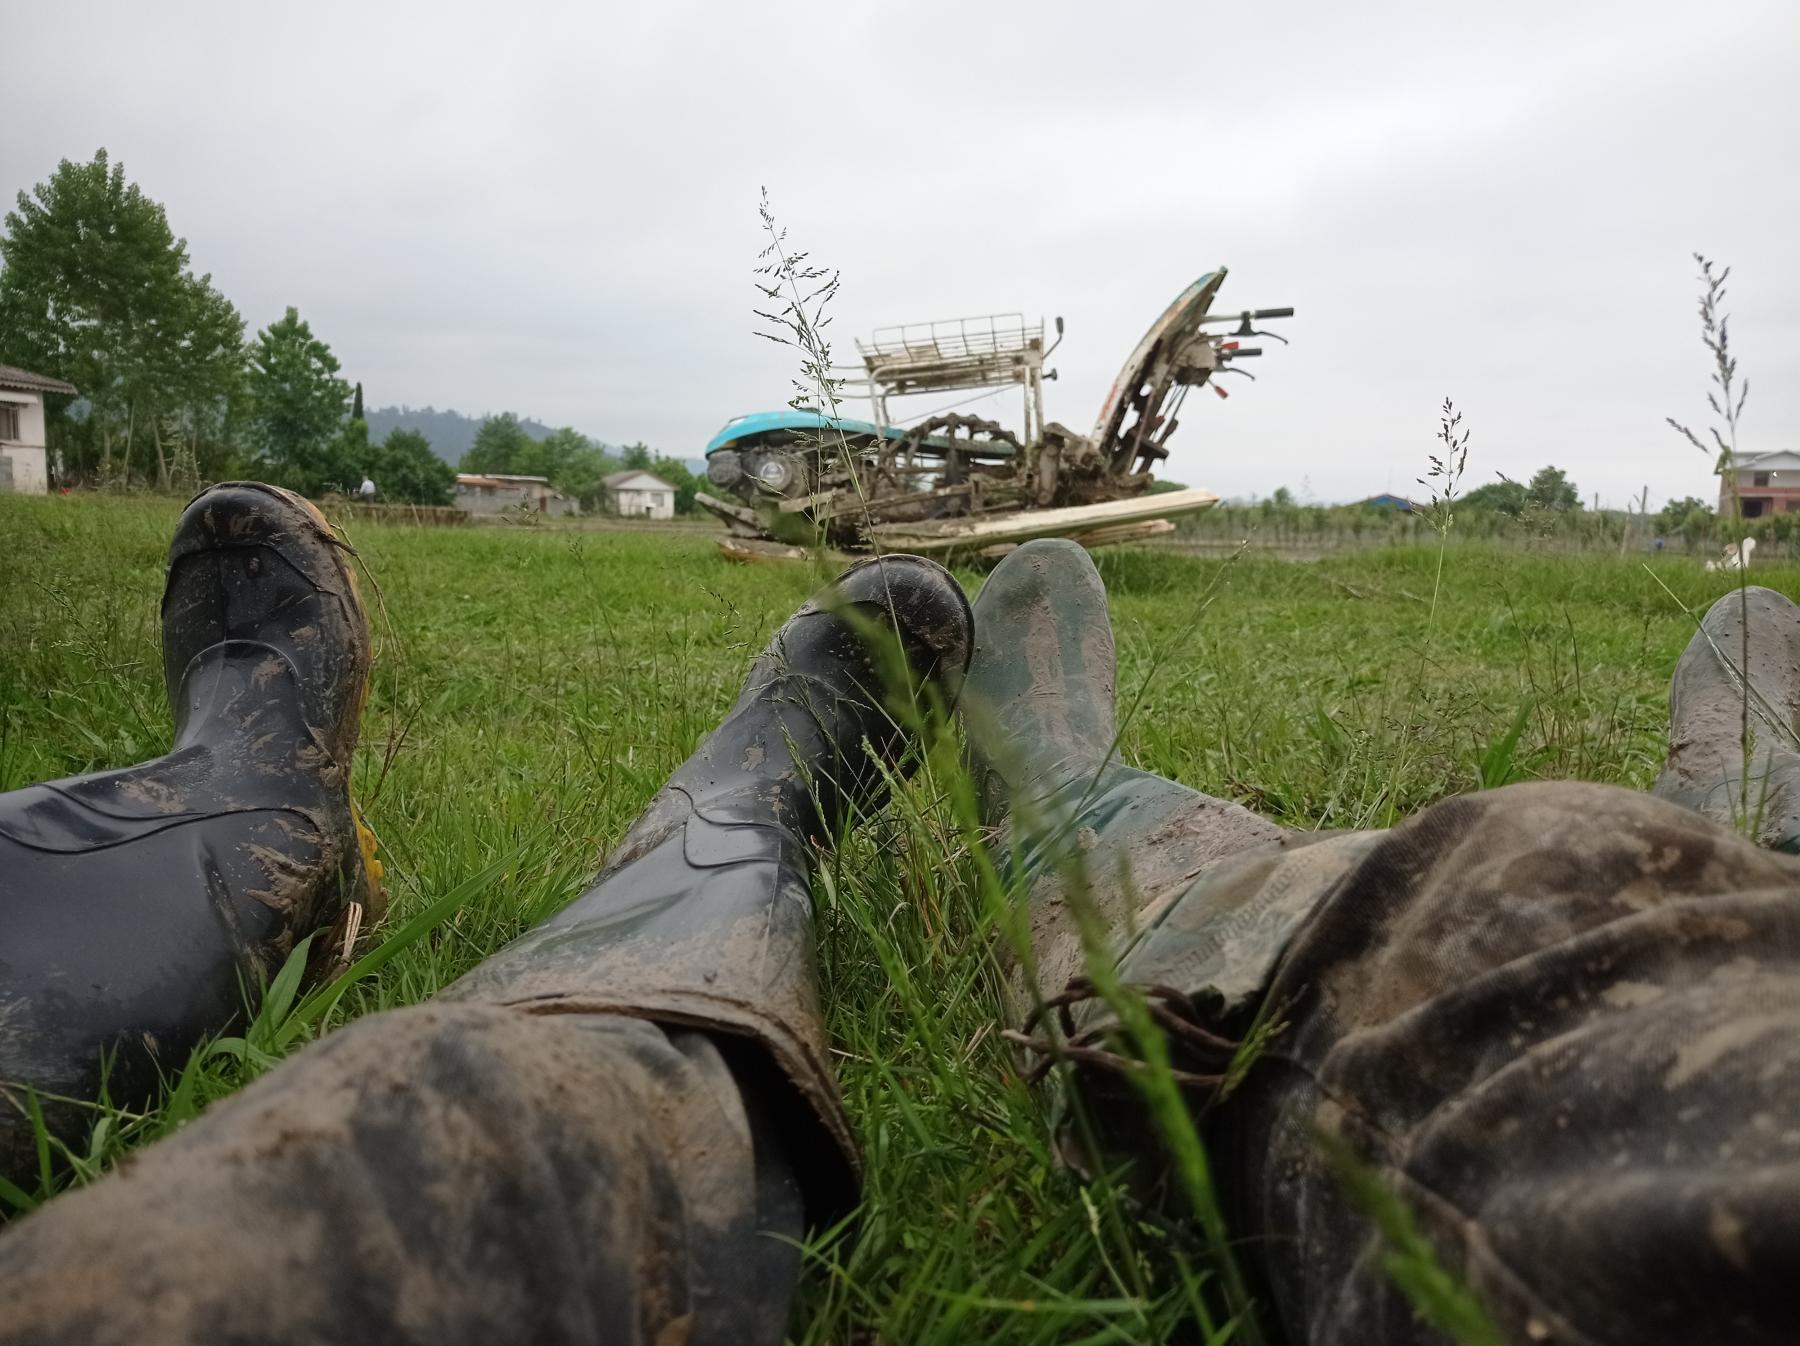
(11, 376)
(631, 476)
(498, 479)
(1772, 460)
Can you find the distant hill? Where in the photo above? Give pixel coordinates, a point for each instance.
(450, 433)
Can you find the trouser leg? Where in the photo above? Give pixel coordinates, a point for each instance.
(445, 1174)
(1563, 1024)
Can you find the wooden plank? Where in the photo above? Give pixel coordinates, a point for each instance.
(761, 551)
(963, 534)
(729, 512)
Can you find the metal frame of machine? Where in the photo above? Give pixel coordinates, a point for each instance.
(954, 482)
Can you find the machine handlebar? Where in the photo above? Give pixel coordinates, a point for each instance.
(1249, 315)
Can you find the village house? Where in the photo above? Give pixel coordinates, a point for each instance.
(492, 492)
(24, 458)
(637, 494)
(1766, 483)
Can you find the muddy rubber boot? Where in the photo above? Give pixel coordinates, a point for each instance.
(1039, 717)
(1707, 701)
(703, 915)
(138, 907)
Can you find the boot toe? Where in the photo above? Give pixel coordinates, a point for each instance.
(255, 563)
(922, 602)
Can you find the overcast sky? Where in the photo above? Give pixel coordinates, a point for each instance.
(551, 208)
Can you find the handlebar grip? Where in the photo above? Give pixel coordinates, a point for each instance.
(1241, 352)
(1273, 313)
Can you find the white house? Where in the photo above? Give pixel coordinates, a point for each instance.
(1767, 483)
(24, 466)
(638, 494)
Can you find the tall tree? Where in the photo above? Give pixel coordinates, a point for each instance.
(502, 445)
(406, 469)
(187, 381)
(95, 287)
(297, 407)
(1506, 496)
(1551, 488)
(681, 477)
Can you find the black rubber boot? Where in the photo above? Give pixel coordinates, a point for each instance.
(138, 907)
(1722, 681)
(703, 916)
(1039, 717)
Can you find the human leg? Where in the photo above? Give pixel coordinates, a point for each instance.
(1562, 1023)
(139, 907)
(1560, 1020)
(446, 1174)
(1039, 715)
(612, 1130)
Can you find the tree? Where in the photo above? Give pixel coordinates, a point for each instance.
(405, 468)
(1283, 498)
(1551, 489)
(1505, 496)
(352, 457)
(191, 377)
(579, 466)
(501, 445)
(635, 455)
(678, 475)
(297, 408)
(95, 288)
(1674, 516)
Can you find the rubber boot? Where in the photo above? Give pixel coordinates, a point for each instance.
(1038, 713)
(703, 915)
(1708, 704)
(139, 907)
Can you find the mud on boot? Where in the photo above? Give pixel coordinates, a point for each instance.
(703, 916)
(1740, 671)
(1039, 716)
(137, 907)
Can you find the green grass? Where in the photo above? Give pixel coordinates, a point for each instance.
(534, 687)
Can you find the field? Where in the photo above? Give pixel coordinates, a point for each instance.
(535, 686)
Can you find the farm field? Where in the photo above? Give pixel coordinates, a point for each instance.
(534, 686)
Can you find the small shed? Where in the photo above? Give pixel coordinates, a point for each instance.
(492, 492)
(24, 457)
(1387, 500)
(637, 494)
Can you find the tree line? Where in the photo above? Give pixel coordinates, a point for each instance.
(574, 464)
(1548, 506)
(97, 289)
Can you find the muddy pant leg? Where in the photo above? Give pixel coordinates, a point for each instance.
(445, 1174)
(1563, 1022)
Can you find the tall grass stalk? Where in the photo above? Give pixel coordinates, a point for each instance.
(1726, 400)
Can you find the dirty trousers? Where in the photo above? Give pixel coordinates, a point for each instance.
(1561, 1021)
(445, 1174)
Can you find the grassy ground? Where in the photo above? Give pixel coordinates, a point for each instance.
(534, 687)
